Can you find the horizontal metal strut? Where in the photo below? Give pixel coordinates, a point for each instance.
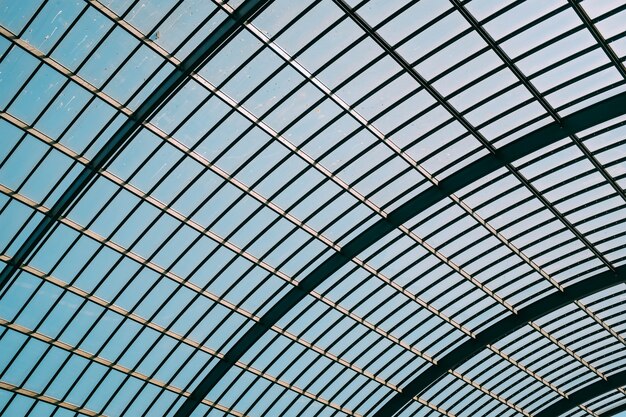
(545, 136)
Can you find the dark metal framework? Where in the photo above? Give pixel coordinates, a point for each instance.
(319, 209)
(586, 394)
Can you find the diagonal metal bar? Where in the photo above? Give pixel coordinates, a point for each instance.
(499, 330)
(408, 68)
(474, 131)
(549, 134)
(59, 344)
(591, 27)
(205, 51)
(184, 339)
(525, 81)
(6, 386)
(585, 394)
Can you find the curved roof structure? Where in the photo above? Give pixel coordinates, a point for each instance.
(312, 208)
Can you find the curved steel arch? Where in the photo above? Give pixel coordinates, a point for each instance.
(499, 330)
(598, 113)
(205, 51)
(586, 394)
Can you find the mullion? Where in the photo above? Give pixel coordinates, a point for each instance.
(369, 364)
(162, 362)
(495, 47)
(355, 324)
(518, 186)
(538, 210)
(530, 214)
(137, 272)
(236, 379)
(294, 360)
(542, 343)
(577, 78)
(389, 244)
(349, 383)
(451, 390)
(560, 356)
(517, 83)
(319, 70)
(19, 35)
(280, 355)
(557, 215)
(159, 338)
(468, 398)
(315, 340)
(87, 333)
(154, 344)
(329, 348)
(534, 49)
(70, 349)
(615, 60)
(484, 392)
(17, 353)
(56, 95)
(19, 313)
(502, 40)
(85, 60)
(244, 100)
(103, 281)
(43, 111)
(613, 86)
(43, 319)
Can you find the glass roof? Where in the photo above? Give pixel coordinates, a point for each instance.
(317, 208)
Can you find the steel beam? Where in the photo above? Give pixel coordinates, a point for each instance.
(534, 141)
(585, 394)
(205, 51)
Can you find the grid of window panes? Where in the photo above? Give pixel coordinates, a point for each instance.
(313, 123)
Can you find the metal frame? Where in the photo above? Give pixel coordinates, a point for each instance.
(209, 47)
(499, 330)
(420, 279)
(585, 394)
(528, 144)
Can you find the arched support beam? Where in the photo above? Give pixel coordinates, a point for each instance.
(499, 330)
(545, 136)
(205, 51)
(586, 394)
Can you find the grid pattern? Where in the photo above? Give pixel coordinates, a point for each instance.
(319, 208)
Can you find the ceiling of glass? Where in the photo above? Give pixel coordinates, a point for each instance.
(312, 208)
